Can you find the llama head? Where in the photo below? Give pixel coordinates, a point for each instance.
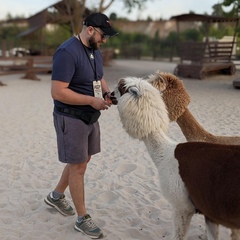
(141, 108)
(174, 93)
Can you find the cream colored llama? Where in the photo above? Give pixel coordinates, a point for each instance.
(194, 176)
(177, 100)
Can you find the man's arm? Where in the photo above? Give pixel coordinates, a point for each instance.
(107, 94)
(105, 87)
(62, 93)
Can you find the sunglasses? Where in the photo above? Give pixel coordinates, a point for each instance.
(103, 35)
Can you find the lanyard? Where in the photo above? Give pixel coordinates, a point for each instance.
(92, 54)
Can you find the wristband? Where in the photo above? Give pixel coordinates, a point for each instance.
(105, 94)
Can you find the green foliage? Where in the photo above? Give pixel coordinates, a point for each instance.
(135, 45)
(129, 4)
(225, 31)
(191, 35)
(236, 7)
(229, 2)
(217, 10)
(113, 16)
(8, 35)
(128, 44)
(10, 32)
(54, 38)
(10, 17)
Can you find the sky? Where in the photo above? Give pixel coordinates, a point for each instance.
(155, 9)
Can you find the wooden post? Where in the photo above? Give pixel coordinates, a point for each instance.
(4, 48)
(30, 73)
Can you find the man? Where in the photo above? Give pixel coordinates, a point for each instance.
(79, 92)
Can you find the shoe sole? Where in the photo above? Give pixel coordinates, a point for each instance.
(94, 237)
(56, 207)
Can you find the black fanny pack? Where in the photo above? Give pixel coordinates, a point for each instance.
(87, 116)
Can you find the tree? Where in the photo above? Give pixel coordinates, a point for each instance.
(113, 16)
(217, 10)
(76, 9)
(236, 6)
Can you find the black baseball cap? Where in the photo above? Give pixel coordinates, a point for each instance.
(101, 21)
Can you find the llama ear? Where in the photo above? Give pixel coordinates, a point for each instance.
(135, 91)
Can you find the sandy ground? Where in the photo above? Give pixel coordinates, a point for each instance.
(122, 186)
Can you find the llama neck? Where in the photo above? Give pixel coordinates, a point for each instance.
(192, 130)
(157, 144)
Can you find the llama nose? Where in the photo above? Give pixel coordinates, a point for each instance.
(113, 98)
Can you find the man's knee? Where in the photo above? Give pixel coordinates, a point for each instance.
(78, 168)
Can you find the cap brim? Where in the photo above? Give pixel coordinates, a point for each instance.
(109, 31)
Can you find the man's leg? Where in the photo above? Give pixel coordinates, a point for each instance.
(59, 202)
(84, 223)
(63, 182)
(76, 186)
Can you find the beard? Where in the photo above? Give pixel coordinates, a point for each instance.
(92, 43)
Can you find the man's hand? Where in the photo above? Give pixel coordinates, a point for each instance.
(100, 104)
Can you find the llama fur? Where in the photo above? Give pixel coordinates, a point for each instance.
(177, 100)
(173, 91)
(144, 116)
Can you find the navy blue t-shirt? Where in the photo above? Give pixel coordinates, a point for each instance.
(73, 64)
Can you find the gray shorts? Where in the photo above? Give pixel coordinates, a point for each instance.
(75, 139)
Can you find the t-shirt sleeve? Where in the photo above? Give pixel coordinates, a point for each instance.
(63, 67)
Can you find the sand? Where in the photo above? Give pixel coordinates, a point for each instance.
(122, 186)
